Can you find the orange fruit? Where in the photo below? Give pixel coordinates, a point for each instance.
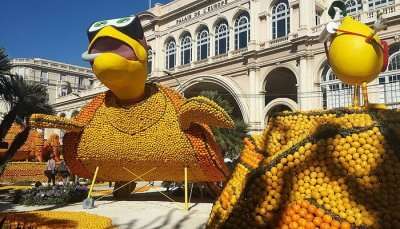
(327, 219)
(345, 225)
(325, 226)
(317, 221)
(335, 223)
(293, 225)
(295, 217)
(310, 225)
(302, 212)
(302, 222)
(320, 212)
(296, 207)
(309, 217)
(312, 208)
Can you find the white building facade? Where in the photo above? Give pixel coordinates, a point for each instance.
(262, 55)
(60, 79)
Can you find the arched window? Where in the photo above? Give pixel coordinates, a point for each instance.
(394, 64)
(280, 19)
(389, 81)
(186, 49)
(149, 61)
(353, 6)
(375, 4)
(334, 93)
(203, 44)
(170, 55)
(221, 38)
(242, 31)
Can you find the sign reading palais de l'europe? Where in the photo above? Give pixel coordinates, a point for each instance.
(200, 12)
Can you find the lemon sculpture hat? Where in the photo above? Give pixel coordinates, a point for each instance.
(138, 126)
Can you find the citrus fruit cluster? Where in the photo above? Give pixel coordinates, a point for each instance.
(24, 171)
(224, 206)
(202, 110)
(345, 166)
(147, 135)
(303, 214)
(50, 121)
(55, 219)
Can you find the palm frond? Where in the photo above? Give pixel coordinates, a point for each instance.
(5, 65)
(27, 96)
(230, 140)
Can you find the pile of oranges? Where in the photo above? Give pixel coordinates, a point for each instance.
(303, 214)
(340, 167)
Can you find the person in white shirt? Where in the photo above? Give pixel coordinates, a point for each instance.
(51, 170)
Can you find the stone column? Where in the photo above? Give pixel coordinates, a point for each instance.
(158, 52)
(253, 25)
(308, 97)
(254, 100)
(211, 37)
(397, 5)
(178, 53)
(232, 35)
(307, 15)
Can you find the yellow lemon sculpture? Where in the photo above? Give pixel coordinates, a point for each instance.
(356, 53)
(138, 128)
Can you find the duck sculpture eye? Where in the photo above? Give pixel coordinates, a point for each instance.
(97, 25)
(122, 20)
(100, 23)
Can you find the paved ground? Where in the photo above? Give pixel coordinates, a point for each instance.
(145, 211)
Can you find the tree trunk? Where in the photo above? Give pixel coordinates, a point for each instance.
(7, 122)
(19, 140)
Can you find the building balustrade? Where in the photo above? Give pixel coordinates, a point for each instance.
(278, 41)
(366, 17)
(200, 62)
(239, 51)
(51, 64)
(220, 56)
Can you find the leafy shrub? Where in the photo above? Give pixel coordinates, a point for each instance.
(57, 195)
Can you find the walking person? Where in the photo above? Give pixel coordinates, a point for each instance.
(51, 170)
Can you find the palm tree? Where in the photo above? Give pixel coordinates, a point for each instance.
(5, 65)
(24, 99)
(5, 68)
(230, 140)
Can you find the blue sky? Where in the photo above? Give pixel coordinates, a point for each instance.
(56, 29)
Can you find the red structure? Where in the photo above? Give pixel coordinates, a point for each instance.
(35, 147)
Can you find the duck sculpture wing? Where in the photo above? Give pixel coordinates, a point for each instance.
(75, 124)
(203, 111)
(52, 121)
